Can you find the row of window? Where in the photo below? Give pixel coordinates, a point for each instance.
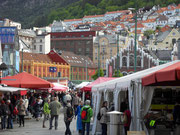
(40, 48)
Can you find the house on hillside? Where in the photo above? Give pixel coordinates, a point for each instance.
(93, 18)
(165, 40)
(161, 20)
(114, 14)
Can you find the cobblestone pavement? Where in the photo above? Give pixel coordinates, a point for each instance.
(33, 127)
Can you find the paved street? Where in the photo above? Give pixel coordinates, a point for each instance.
(33, 127)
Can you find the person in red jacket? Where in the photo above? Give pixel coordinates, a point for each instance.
(128, 116)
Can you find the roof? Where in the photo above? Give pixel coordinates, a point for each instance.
(125, 81)
(162, 18)
(164, 55)
(165, 28)
(35, 57)
(138, 32)
(115, 12)
(77, 60)
(93, 16)
(72, 20)
(162, 36)
(26, 32)
(97, 81)
(149, 21)
(139, 25)
(111, 38)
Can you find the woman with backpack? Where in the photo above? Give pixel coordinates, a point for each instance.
(78, 114)
(103, 120)
(68, 116)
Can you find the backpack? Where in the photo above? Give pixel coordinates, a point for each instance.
(99, 116)
(84, 113)
(69, 112)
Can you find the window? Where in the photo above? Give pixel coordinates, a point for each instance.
(87, 49)
(80, 49)
(166, 42)
(87, 42)
(40, 40)
(139, 61)
(40, 48)
(82, 35)
(124, 61)
(173, 41)
(104, 50)
(34, 47)
(131, 58)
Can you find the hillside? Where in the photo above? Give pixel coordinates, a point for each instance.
(43, 12)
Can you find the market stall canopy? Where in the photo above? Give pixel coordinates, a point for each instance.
(96, 82)
(26, 80)
(82, 85)
(11, 89)
(125, 81)
(59, 87)
(168, 76)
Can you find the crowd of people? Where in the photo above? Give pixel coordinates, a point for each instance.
(14, 108)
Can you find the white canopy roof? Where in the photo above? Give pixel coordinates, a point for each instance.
(81, 85)
(124, 82)
(10, 89)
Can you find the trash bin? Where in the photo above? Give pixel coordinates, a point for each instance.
(115, 123)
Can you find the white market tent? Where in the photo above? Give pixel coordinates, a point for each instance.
(10, 89)
(139, 97)
(81, 85)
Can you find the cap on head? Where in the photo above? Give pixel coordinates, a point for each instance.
(87, 102)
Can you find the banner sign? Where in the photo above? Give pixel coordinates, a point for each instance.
(52, 69)
(7, 35)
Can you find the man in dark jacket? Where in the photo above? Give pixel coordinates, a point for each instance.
(3, 114)
(10, 115)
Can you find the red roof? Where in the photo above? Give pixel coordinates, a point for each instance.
(114, 12)
(165, 28)
(56, 58)
(97, 81)
(93, 16)
(138, 32)
(168, 76)
(26, 80)
(149, 21)
(139, 25)
(72, 20)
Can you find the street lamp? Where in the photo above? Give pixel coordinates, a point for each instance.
(135, 46)
(117, 33)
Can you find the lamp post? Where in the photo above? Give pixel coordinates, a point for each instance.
(135, 38)
(117, 53)
(98, 57)
(22, 62)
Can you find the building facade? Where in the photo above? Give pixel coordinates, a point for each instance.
(80, 43)
(41, 65)
(125, 61)
(42, 44)
(107, 47)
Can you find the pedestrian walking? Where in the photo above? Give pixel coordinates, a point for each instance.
(21, 112)
(37, 109)
(76, 101)
(10, 115)
(78, 114)
(103, 120)
(4, 112)
(68, 116)
(46, 111)
(54, 111)
(86, 115)
(127, 119)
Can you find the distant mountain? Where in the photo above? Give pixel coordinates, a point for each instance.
(42, 12)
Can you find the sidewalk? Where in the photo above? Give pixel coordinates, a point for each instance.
(33, 127)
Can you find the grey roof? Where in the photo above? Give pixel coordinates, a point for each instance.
(112, 38)
(26, 32)
(164, 55)
(162, 36)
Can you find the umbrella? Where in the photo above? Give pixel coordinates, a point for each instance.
(26, 80)
(59, 87)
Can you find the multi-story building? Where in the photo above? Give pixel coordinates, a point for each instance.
(9, 23)
(72, 21)
(108, 47)
(80, 43)
(93, 18)
(26, 39)
(42, 65)
(42, 43)
(10, 49)
(125, 61)
(82, 67)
